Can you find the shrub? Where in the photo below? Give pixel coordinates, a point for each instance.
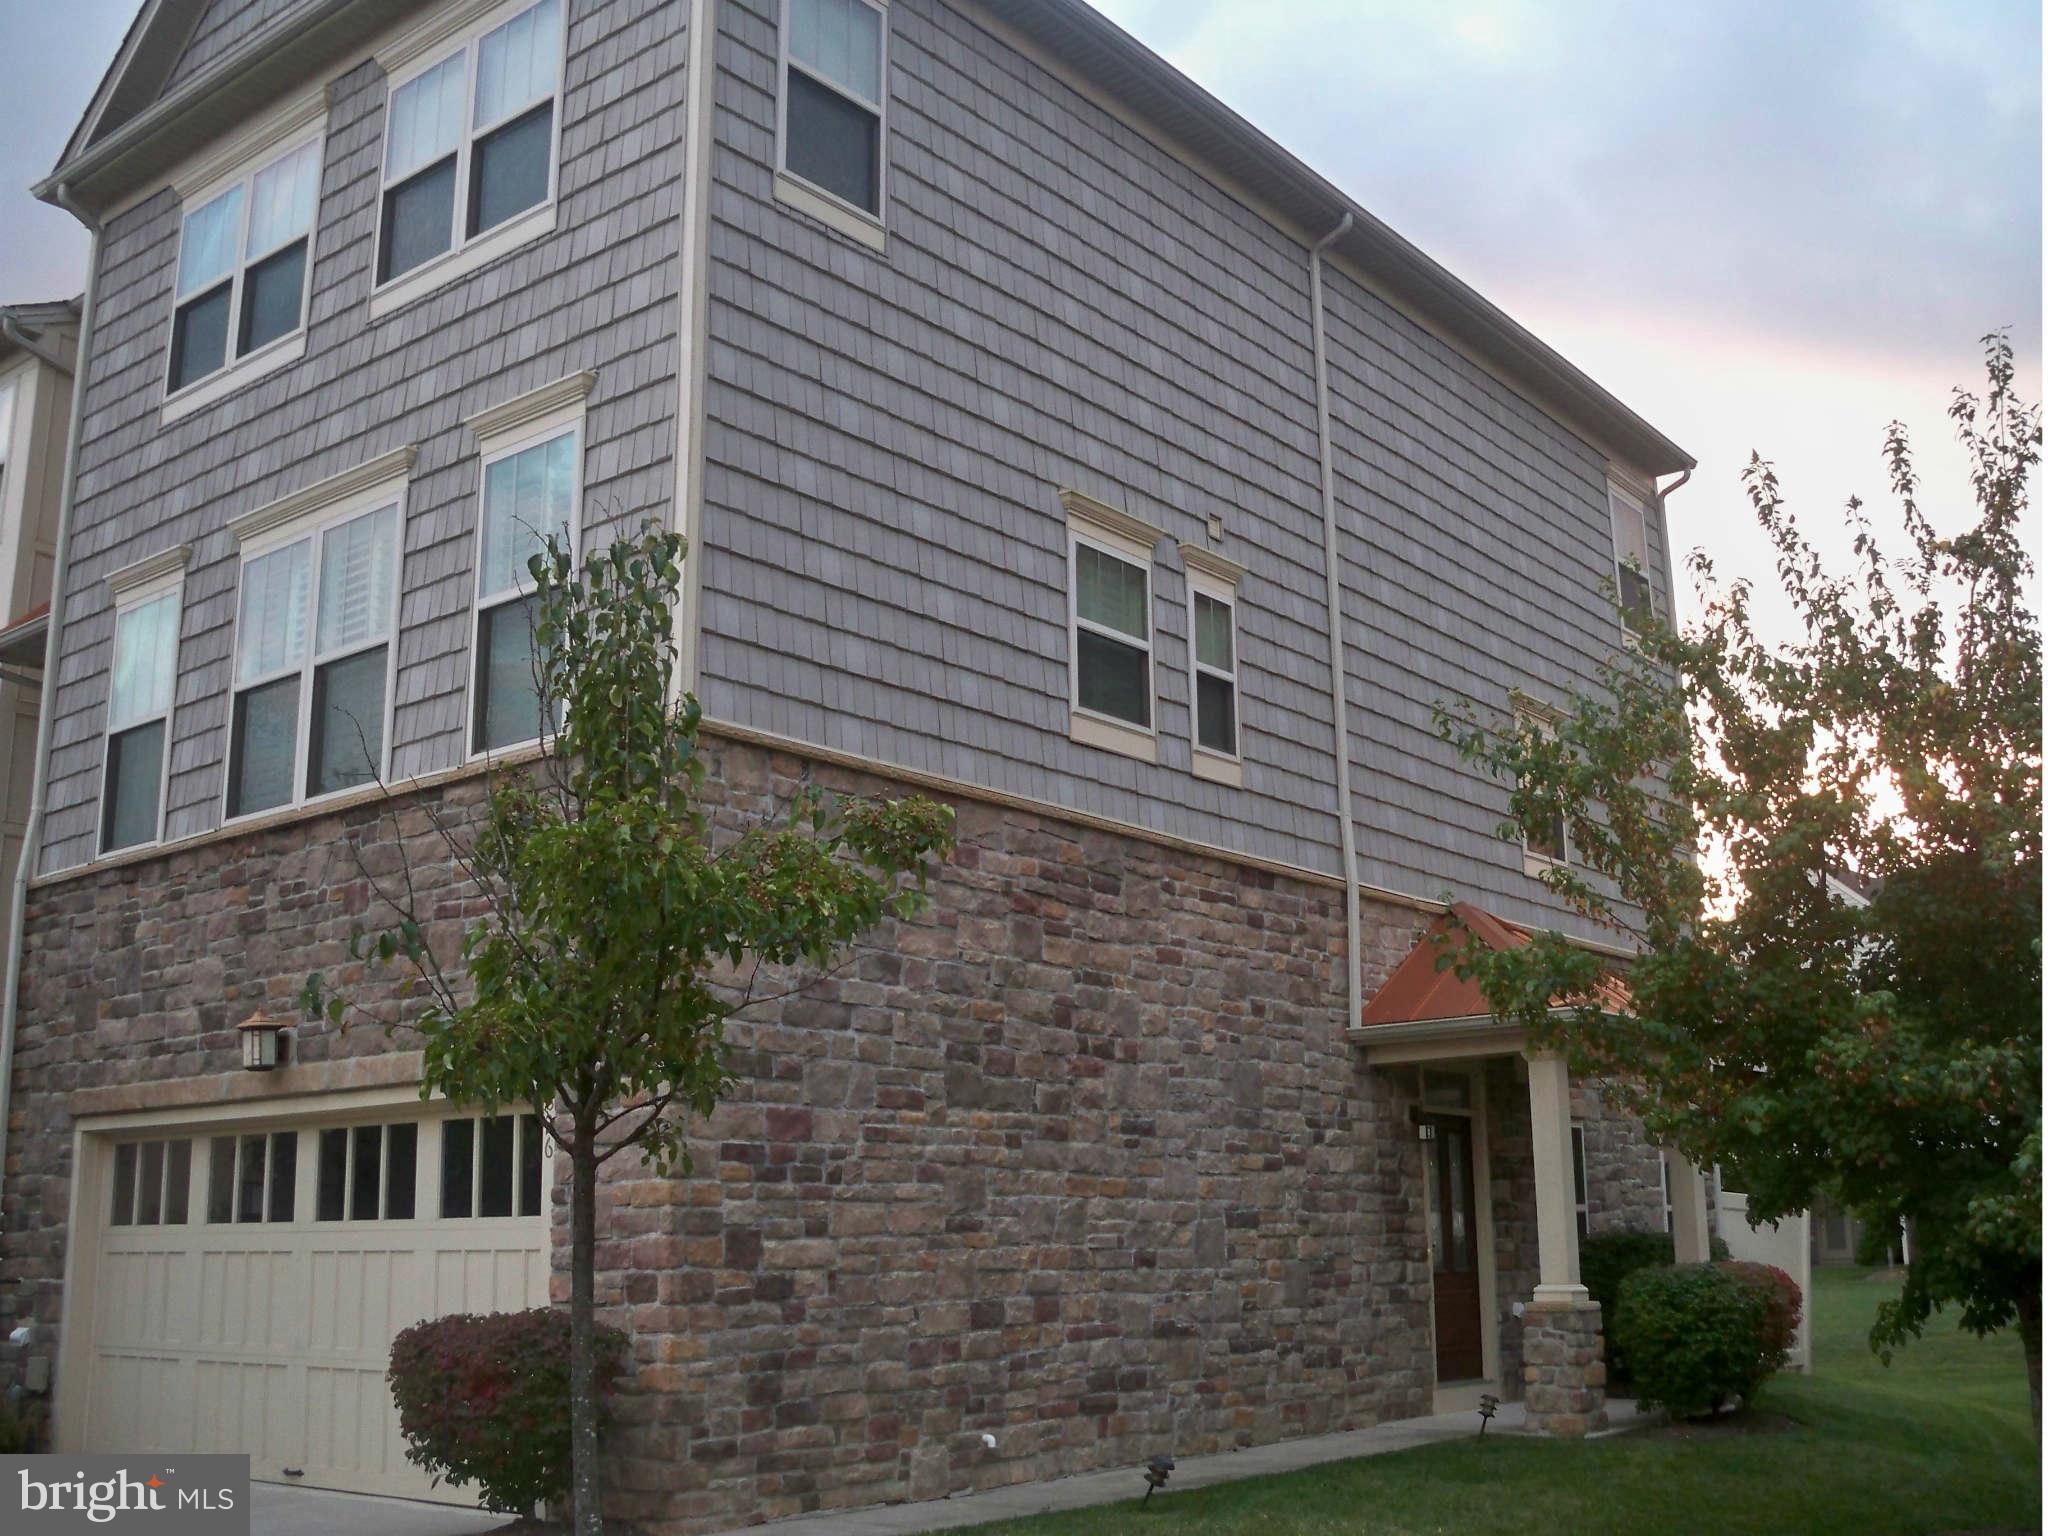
(1779, 1293)
(22, 1423)
(1606, 1259)
(1691, 1334)
(1877, 1236)
(485, 1400)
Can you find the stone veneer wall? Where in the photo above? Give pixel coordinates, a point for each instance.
(1624, 1173)
(1080, 1159)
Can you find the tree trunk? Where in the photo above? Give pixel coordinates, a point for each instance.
(2030, 1338)
(583, 1453)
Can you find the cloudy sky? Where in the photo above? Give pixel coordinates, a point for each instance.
(1765, 226)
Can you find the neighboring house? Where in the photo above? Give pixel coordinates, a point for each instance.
(1034, 420)
(38, 345)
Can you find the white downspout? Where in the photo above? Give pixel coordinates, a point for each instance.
(10, 1003)
(1347, 829)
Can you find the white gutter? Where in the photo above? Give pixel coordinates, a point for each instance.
(1347, 829)
(11, 329)
(692, 345)
(10, 1002)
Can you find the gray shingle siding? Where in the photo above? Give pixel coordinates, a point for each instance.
(1062, 304)
(599, 293)
(221, 26)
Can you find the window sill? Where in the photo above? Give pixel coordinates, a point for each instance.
(842, 217)
(1113, 736)
(1537, 865)
(459, 263)
(1218, 769)
(239, 374)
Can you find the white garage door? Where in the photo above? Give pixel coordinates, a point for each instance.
(249, 1283)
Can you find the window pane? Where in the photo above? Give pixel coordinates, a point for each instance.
(1216, 713)
(1636, 602)
(494, 1186)
(207, 251)
(265, 744)
(419, 221)
(508, 170)
(149, 1185)
(356, 573)
(220, 1180)
(508, 698)
(249, 1182)
(841, 40)
(348, 723)
(369, 1161)
(270, 629)
(145, 661)
(518, 63)
(282, 199)
(199, 337)
(833, 143)
(402, 1142)
(178, 1183)
(273, 292)
(527, 496)
(458, 1150)
(1110, 591)
(1213, 647)
(530, 1135)
(425, 119)
(284, 1174)
(134, 779)
(1631, 538)
(1113, 678)
(124, 1185)
(330, 1201)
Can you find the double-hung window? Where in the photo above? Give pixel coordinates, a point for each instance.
(1109, 627)
(532, 475)
(148, 602)
(834, 65)
(313, 646)
(469, 139)
(1212, 663)
(244, 262)
(1546, 839)
(1631, 556)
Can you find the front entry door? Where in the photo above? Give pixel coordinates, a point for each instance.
(1454, 1248)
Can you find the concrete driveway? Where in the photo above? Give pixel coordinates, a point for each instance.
(279, 1511)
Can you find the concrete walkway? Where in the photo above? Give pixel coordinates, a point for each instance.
(1127, 1484)
(275, 1510)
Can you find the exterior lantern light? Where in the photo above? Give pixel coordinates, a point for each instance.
(262, 1041)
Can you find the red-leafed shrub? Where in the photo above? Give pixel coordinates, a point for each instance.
(1779, 1293)
(484, 1399)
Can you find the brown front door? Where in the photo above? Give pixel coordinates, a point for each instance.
(1454, 1248)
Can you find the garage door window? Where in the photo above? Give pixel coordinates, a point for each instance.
(367, 1172)
(152, 1183)
(490, 1165)
(252, 1178)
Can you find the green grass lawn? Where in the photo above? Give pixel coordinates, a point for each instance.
(1939, 1441)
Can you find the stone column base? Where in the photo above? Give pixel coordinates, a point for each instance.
(1564, 1368)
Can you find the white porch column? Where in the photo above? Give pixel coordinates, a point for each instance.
(1557, 1226)
(1688, 1210)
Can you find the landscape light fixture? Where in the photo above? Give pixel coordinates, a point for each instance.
(1489, 1405)
(262, 1041)
(1157, 1471)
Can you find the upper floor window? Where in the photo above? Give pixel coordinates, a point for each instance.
(1631, 556)
(833, 104)
(1109, 627)
(469, 140)
(139, 695)
(244, 258)
(313, 649)
(1212, 663)
(1546, 840)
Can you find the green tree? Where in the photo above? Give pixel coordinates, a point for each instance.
(619, 930)
(1882, 1049)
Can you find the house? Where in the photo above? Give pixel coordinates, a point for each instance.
(1049, 440)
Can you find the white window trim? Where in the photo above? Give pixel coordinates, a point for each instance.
(1620, 489)
(413, 56)
(536, 417)
(1545, 719)
(143, 582)
(830, 209)
(1131, 540)
(1213, 577)
(288, 136)
(309, 514)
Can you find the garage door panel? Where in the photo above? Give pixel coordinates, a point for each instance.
(264, 1324)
